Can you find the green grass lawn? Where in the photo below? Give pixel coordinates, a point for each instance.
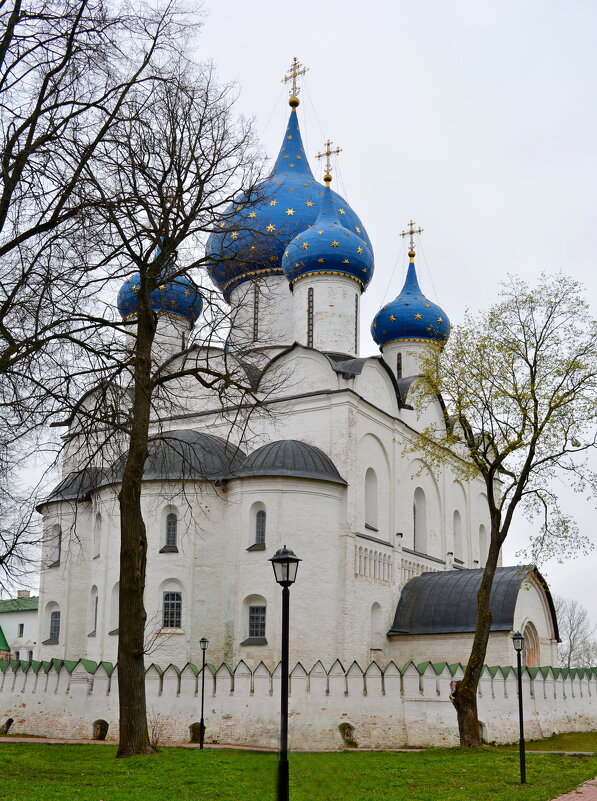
(40, 772)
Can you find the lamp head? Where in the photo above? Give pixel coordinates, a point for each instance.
(204, 642)
(518, 641)
(285, 564)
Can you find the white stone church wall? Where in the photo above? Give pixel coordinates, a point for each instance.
(389, 708)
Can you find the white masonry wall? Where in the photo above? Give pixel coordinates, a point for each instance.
(389, 708)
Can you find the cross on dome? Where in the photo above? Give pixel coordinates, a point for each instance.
(411, 232)
(295, 70)
(328, 164)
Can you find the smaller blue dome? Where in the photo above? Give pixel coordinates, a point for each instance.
(410, 316)
(328, 248)
(179, 297)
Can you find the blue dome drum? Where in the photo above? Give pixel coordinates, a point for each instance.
(255, 234)
(329, 248)
(411, 316)
(178, 297)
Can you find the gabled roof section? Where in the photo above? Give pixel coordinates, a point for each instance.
(19, 604)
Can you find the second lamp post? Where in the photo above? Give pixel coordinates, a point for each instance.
(203, 642)
(518, 641)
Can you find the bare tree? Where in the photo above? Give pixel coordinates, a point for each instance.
(578, 646)
(518, 386)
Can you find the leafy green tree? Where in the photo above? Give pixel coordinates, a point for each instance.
(519, 389)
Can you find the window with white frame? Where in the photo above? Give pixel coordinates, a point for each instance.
(257, 621)
(260, 519)
(21, 629)
(172, 615)
(171, 529)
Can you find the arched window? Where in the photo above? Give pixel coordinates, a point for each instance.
(260, 527)
(483, 545)
(171, 530)
(55, 550)
(310, 317)
(97, 535)
(371, 499)
(54, 625)
(457, 533)
(114, 609)
(255, 613)
(376, 631)
(420, 521)
(398, 365)
(172, 616)
(93, 609)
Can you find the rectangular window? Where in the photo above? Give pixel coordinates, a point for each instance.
(172, 610)
(257, 621)
(55, 625)
(21, 629)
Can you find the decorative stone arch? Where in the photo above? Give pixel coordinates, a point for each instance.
(257, 529)
(52, 623)
(375, 495)
(169, 529)
(530, 655)
(419, 476)
(254, 620)
(172, 602)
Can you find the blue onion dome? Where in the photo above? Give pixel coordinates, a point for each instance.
(328, 248)
(178, 297)
(256, 230)
(410, 316)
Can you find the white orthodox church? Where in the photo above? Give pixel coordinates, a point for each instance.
(392, 553)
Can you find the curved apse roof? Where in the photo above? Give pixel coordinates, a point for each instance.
(446, 602)
(290, 457)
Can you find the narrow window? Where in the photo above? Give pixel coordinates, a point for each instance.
(29, 656)
(17, 655)
(420, 521)
(310, 317)
(371, 499)
(55, 547)
(399, 365)
(95, 608)
(21, 629)
(97, 535)
(172, 610)
(171, 529)
(257, 621)
(457, 533)
(260, 527)
(356, 325)
(255, 312)
(54, 625)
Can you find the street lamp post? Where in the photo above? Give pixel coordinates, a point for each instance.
(285, 564)
(518, 641)
(203, 642)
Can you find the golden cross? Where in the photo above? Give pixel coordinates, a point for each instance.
(295, 71)
(326, 154)
(411, 232)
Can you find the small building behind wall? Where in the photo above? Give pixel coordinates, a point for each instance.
(18, 621)
(437, 615)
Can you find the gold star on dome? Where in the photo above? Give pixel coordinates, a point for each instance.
(392, 318)
(222, 225)
(428, 305)
(417, 316)
(289, 136)
(364, 270)
(273, 202)
(305, 245)
(291, 165)
(271, 228)
(252, 247)
(297, 264)
(359, 250)
(234, 234)
(135, 288)
(286, 255)
(128, 280)
(291, 188)
(289, 211)
(429, 328)
(186, 293)
(287, 156)
(308, 203)
(320, 232)
(374, 325)
(252, 215)
(341, 211)
(345, 261)
(273, 258)
(358, 230)
(305, 184)
(335, 244)
(320, 260)
(440, 319)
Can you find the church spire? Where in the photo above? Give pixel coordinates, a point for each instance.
(295, 71)
(411, 233)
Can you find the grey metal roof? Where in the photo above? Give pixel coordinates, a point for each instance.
(290, 457)
(446, 602)
(183, 454)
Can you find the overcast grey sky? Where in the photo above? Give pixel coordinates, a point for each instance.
(476, 119)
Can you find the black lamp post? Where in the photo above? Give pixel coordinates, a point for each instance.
(518, 641)
(285, 564)
(203, 642)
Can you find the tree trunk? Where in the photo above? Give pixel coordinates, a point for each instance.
(134, 735)
(464, 692)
